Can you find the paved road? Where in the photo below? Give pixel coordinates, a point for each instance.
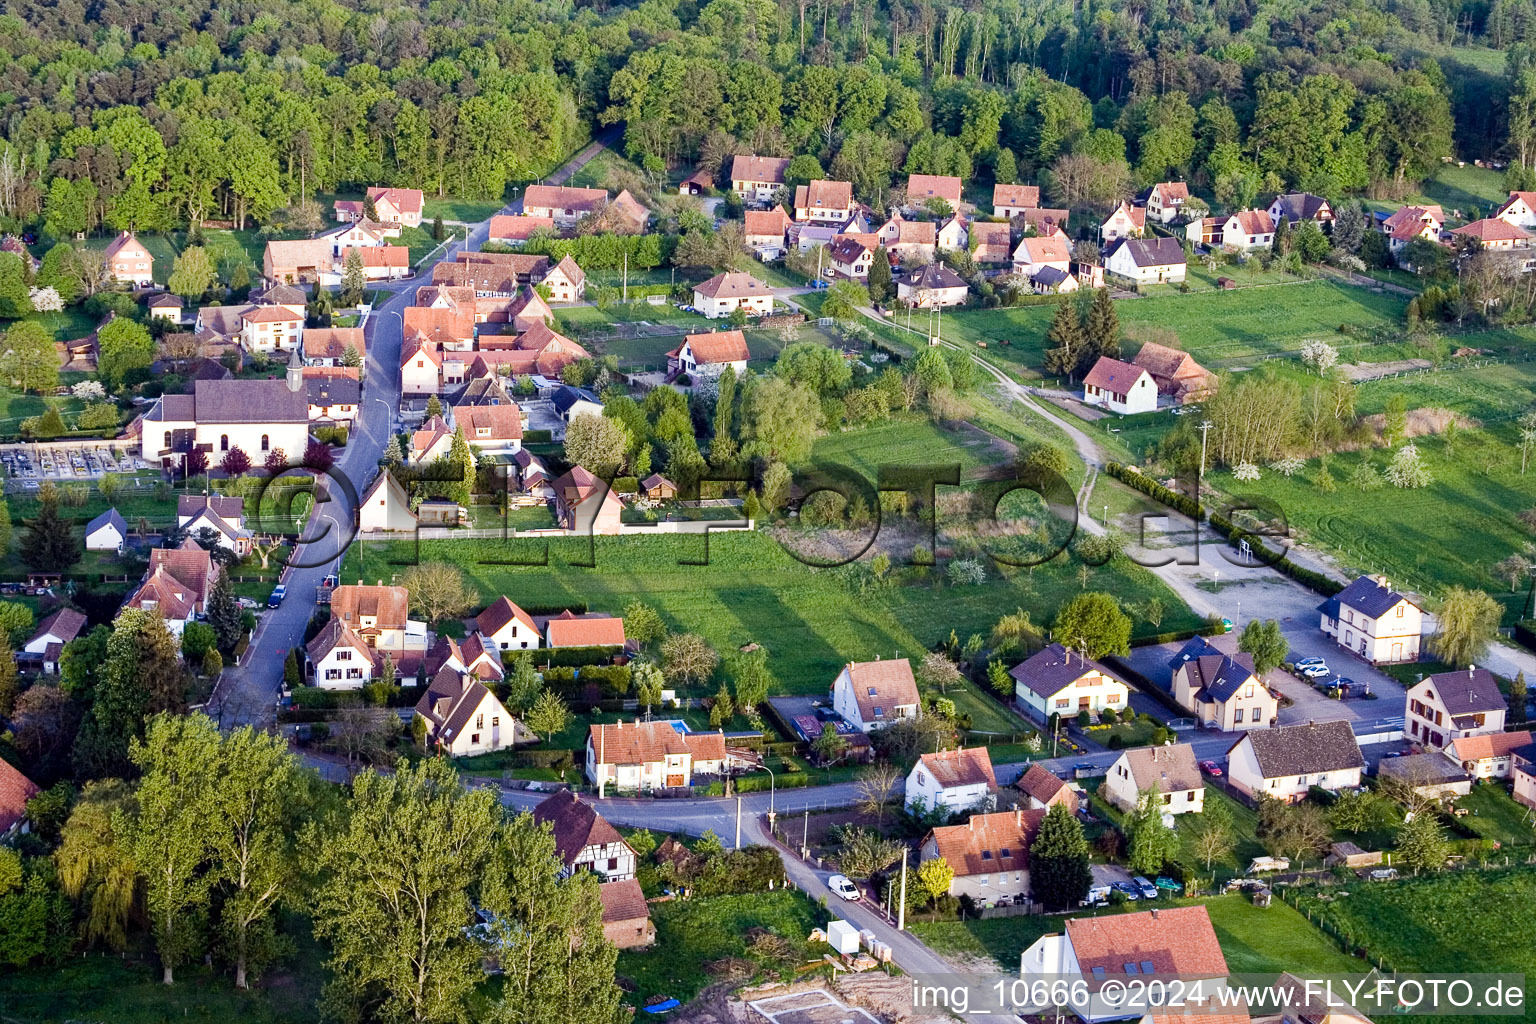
(247, 694)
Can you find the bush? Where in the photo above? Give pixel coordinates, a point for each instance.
(576, 656)
(332, 435)
(537, 437)
(315, 699)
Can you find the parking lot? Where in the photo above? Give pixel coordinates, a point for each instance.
(34, 463)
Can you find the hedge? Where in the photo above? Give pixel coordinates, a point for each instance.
(538, 436)
(1146, 485)
(576, 607)
(576, 656)
(557, 760)
(1525, 634)
(612, 678)
(1212, 627)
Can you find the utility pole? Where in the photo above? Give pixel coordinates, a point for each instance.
(738, 822)
(1205, 427)
(901, 909)
(805, 836)
(625, 295)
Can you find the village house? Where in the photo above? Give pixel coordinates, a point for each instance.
(471, 656)
(268, 329)
(1167, 942)
(1119, 387)
(491, 430)
(1444, 707)
(991, 243)
(463, 717)
(1058, 681)
(15, 790)
(431, 441)
(658, 488)
(1408, 223)
(1047, 222)
(824, 202)
(989, 854)
(1519, 210)
(1144, 261)
(128, 262)
(643, 757)
(397, 206)
(330, 346)
(909, 240)
(506, 627)
(1487, 755)
(385, 507)
(952, 235)
(950, 782)
(299, 261)
(626, 215)
(224, 515)
(1307, 1002)
(756, 178)
(723, 294)
(1205, 231)
(421, 368)
(591, 629)
(363, 234)
(1222, 690)
(626, 915)
(1011, 200)
(176, 585)
(870, 695)
(107, 532)
(765, 231)
(584, 840)
(516, 229)
(41, 652)
(1169, 771)
(586, 505)
(256, 416)
(1428, 775)
(498, 280)
(165, 306)
(930, 193)
(570, 402)
(379, 614)
(1286, 761)
(1164, 202)
(850, 256)
(339, 659)
(1371, 620)
(562, 204)
(708, 355)
(1126, 221)
(1053, 281)
(1176, 374)
(933, 286)
(1045, 789)
(1247, 230)
(451, 329)
(1300, 207)
(1036, 252)
(1494, 235)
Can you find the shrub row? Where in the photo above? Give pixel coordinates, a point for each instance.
(612, 678)
(556, 760)
(576, 656)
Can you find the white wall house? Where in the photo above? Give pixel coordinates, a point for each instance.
(340, 659)
(951, 781)
(1057, 681)
(989, 853)
(870, 695)
(584, 840)
(1170, 771)
(255, 416)
(642, 757)
(1285, 762)
(107, 532)
(507, 627)
(463, 717)
(723, 294)
(1120, 387)
(1374, 622)
(1447, 706)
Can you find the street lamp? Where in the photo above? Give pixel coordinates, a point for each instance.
(772, 787)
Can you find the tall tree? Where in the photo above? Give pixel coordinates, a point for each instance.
(124, 347)
(142, 675)
(1468, 621)
(1067, 340)
(399, 871)
(193, 273)
(1093, 623)
(28, 358)
(223, 613)
(1058, 860)
(48, 544)
(1265, 643)
(1152, 843)
(1102, 328)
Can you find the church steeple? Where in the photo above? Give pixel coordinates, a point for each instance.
(295, 370)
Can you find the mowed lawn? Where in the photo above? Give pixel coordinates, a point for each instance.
(1221, 329)
(1253, 939)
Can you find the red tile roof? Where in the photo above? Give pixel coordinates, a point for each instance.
(385, 604)
(718, 347)
(922, 187)
(989, 843)
(887, 685)
(963, 767)
(500, 614)
(1492, 230)
(732, 285)
(1113, 375)
(824, 195)
(332, 342)
(571, 630)
(766, 222)
(1489, 745)
(1254, 222)
(15, 790)
(518, 228)
(623, 901)
(406, 200)
(623, 743)
(1026, 196)
(502, 422)
(768, 170)
(575, 824)
(1176, 940)
(560, 197)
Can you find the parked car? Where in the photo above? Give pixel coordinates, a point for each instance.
(1148, 890)
(1383, 874)
(1211, 768)
(1128, 890)
(1164, 882)
(1313, 659)
(844, 887)
(278, 593)
(1314, 671)
(1098, 896)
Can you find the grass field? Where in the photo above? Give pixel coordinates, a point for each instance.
(1450, 921)
(1475, 191)
(692, 935)
(1220, 329)
(467, 210)
(1253, 939)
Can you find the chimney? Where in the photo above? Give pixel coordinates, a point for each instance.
(1471, 669)
(1154, 913)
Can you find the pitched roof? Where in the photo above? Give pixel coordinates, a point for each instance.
(718, 347)
(1135, 214)
(122, 241)
(993, 242)
(568, 396)
(1254, 222)
(1174, 940)
(1046, 221)
(406, 200)
(562, 197)
(334, 634)
(439, 326)
(393, 257)
(933, 276)
(1168, 769)
(732, 286)
(1290, 750)
(766, 222)
(575, 824)
(165, 300)
(503, 422)
(623, 900)
(1043, 249)
(427, 436)
(1467, 691)
(1216, 675)
(989, 843)
(189, 564)
(223, 506)
(111, 517)
(1049, 671)
(1161, 251)
(64, 625)
(963, 767)
(1495, 744)
(1409, 222)
(630, 209)
(915, 232)
(518, 227)
(849, 249)
(1297, 206)
(882, 686)
(635, 742)
(451, 700)
(571, 630)
(248, 401)
(332, 342)
(1114, 375)
(824, 195)
(502, 613)
(766, 169)
(656, 480)
(1041, 783)
(1492, 230)
(1016, 195)
(922, 187)
(1368, 595)
(1166, 363)
(15, 790)
(706, 746)
(387, 605)
(1171, 191)
(300, 252)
